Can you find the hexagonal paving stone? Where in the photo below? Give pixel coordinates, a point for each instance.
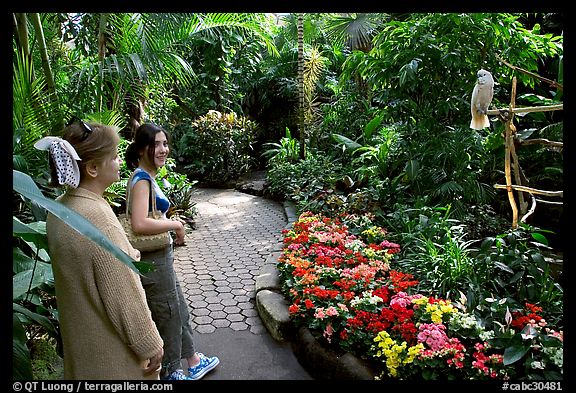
(234, 237)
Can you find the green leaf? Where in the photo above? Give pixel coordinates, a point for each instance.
(503, 267)
(30, 279)
(514, 353)
(349, 143)
(21, 363)
(33, 232)
(144, 267)
(371, 126)
(45, 322)
(21, 261)
(24, 185)
(540, 238)
(412, 168)
(550, 341)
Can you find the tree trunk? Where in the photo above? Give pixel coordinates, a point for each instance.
(102, 40)
(53, 96)
(22, 30)
(102, 36)
(301, 123)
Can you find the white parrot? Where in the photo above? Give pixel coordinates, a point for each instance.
(481, 99)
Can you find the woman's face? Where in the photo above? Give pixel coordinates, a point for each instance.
(161, 149)
(110, 168)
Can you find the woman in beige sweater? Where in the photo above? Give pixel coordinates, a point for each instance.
(106, 326)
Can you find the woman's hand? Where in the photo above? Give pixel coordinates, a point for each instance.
(154, 363)
(180, 231)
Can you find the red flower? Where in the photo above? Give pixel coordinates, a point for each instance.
(309, 304)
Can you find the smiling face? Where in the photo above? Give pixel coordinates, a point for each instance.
(161, 149)
(154, 156)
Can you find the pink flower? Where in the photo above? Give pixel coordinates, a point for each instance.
(331, 311)
(392, 247)
(433, 335)
(319, 314)
(328, 333)
(400, 299)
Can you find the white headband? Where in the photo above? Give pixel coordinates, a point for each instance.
(64, 156)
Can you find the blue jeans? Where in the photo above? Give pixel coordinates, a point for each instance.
(168, 306)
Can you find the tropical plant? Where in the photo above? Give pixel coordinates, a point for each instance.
(178, 189)
(300, 181)
(227, 60)
(301, 90)
(447, 262)
(521, 270)
(287, 150)
(444, 159)
(31, 115)
(34, 312)
(355, 32)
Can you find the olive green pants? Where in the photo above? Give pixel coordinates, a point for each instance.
(169, 309)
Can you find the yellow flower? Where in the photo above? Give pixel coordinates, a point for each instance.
(396, 354)
(437, 310)
(413, 352)
(420, 301)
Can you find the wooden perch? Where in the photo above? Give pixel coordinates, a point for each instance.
(509, 146)
(511, 162)
(531, 190)
(542, 141)
(549, 202)
(526, 109)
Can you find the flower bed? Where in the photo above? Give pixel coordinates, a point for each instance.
(337, 275)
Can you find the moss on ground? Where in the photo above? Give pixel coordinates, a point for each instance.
(46, 363)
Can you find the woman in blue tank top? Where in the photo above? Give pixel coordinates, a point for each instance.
(145, 155)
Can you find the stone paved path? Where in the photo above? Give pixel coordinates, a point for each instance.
(235, 233)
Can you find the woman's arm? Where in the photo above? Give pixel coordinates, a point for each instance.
(140, 195)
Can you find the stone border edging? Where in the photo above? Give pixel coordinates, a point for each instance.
(272, 307)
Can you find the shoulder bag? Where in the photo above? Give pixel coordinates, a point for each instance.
(143, 243)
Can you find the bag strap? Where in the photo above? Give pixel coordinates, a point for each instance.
(152, 195)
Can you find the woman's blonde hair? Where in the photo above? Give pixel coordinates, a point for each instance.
(92, 142)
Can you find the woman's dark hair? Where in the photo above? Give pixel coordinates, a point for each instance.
(144, 139)
(92, 142)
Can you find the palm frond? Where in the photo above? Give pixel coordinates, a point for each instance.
(33, 115)
(553, 131)
(353, 30)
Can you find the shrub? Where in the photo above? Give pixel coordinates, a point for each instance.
(217, 147)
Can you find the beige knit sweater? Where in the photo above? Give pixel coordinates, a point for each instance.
(106, 325)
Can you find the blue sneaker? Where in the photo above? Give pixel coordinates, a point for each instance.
(178, 375)
(206, 364)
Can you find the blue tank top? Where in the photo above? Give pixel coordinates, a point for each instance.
(162, 202)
